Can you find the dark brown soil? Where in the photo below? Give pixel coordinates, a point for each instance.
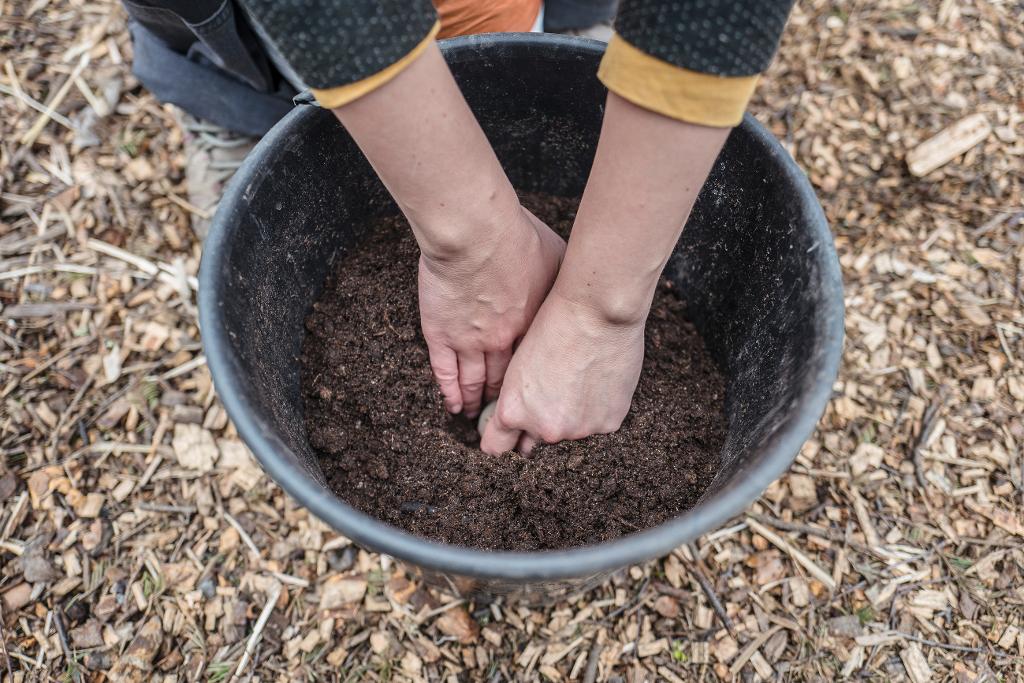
(388, 447)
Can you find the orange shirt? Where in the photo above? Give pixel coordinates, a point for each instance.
(466, 17)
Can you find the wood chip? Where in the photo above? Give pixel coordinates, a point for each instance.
(916, 664)
(948, 145)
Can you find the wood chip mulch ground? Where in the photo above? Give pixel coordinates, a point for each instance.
(140, 542)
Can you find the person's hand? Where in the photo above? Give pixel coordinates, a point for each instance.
(475, 306)
(576, 369)
(573, 375)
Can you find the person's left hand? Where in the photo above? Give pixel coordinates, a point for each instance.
(573, 375)
(474, 307)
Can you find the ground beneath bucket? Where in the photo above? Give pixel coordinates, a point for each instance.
(387, 446)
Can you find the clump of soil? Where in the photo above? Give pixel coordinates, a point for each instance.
(387, 446)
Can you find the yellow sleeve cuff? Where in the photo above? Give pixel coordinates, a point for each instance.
(343, 94)
(691, 96)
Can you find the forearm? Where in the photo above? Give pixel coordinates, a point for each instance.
(427, 147)
(646, 176)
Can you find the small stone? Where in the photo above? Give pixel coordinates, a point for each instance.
(457, 623)
(485, 417)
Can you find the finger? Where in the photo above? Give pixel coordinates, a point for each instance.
(472, 376)
(497, 363)
(526, 444)
(498, 437)
(445, 366)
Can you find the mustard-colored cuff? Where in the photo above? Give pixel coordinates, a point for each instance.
(691, 96)
(343, 94)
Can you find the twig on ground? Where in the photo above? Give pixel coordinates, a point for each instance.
(593, 660)
(62, 637)
(3, 641)
(927, 425)
(246, 538)
(29, 138)
(174, 509)
(257, 630)
(699, 571)
(798, 557)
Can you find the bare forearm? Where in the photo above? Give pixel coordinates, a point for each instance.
(428, 149)
(646, 176)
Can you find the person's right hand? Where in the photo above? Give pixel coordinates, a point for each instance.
(573, 375)
(475, 306)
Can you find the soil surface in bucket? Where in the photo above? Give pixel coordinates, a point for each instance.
(388, 447)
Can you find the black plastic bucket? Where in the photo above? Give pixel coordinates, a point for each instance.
(756, 263)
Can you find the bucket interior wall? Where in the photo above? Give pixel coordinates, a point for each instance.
(741, 262)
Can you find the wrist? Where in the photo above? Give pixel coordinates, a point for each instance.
(465, 223)
(469, 241)
(606, 304)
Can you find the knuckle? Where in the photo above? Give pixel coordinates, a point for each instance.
(446, 379)
(507, 413)
(472, 384)
(503, 340)
(610, 426)
(443, 374)
(549, 433)
(549, 436)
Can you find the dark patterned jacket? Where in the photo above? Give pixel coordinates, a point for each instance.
(694, 60)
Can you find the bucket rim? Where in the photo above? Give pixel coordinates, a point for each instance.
(778, 450)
